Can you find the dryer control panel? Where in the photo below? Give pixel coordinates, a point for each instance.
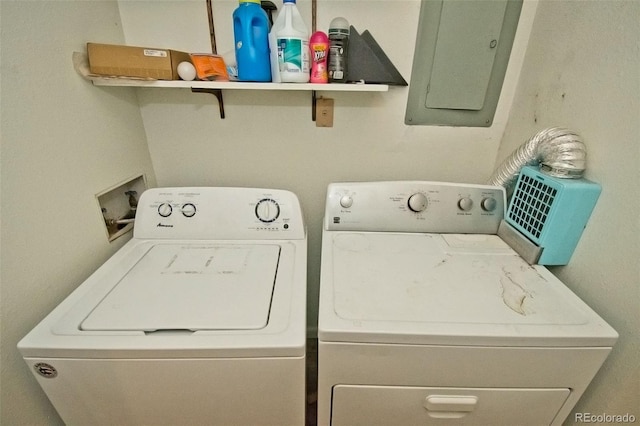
(414, 206)
(204, 213)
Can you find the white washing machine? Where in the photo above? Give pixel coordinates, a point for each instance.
(199, 319)
(427, 317)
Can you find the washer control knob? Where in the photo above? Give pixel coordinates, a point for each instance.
(267, 210)
(165, 209)
(418, 202)
(346, 201)
(465, 204)
(488, 204)
(188, 209)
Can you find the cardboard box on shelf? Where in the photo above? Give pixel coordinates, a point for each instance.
(132, 61)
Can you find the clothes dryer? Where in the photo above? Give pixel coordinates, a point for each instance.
(199, 319)
(427, 317)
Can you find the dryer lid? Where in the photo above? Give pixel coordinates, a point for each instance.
(194, 286)
(431, 278)
(470, 290)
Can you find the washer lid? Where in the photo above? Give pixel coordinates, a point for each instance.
(191, 287)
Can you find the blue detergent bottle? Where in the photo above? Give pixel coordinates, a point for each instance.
(251, 34)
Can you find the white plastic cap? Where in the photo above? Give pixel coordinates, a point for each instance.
(339, 23)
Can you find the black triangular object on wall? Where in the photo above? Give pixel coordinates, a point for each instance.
(367, 61)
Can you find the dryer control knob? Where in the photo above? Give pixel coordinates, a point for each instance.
(165, 209)
(488, 204)
(465, 204)
(418, 202)
(267, 210)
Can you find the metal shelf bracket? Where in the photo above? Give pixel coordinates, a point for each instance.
(215, 92)
(314, 99)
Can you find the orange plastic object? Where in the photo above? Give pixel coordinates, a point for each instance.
(209, 67)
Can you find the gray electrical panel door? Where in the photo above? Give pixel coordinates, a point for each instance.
(461, 56)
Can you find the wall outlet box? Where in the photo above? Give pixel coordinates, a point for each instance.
(324, 112)
(115, 205)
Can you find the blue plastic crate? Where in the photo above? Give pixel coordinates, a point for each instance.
(552, 212)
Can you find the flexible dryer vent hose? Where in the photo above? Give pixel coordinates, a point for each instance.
(560, 152)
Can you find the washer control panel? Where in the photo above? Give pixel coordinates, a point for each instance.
(414, 206)
(219, 213)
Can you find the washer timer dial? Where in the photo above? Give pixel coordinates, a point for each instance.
(346, 201)
(267, 210)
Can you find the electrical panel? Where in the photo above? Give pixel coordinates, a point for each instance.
(460, 60)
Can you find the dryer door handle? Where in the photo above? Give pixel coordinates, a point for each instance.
(450, 406)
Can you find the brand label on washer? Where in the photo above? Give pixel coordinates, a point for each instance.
(46, 370)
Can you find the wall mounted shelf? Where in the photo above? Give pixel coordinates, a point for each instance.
(233, 85)
(215, 87)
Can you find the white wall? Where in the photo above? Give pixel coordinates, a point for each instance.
(268, 138)
(63, 141)
(582, 71)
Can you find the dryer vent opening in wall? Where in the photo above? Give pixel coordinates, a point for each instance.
(460, 60)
